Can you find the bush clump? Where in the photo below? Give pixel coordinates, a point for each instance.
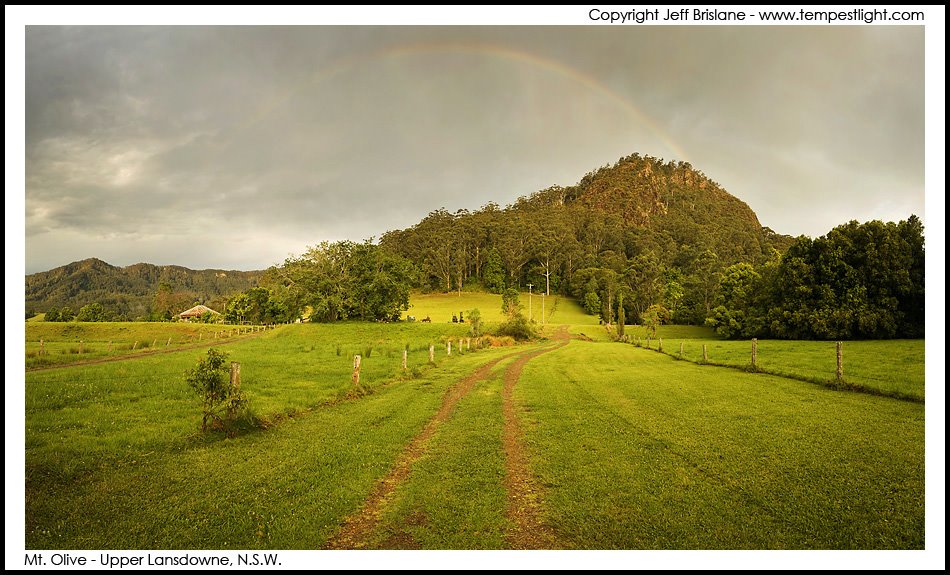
(222, 404)
(516, 326)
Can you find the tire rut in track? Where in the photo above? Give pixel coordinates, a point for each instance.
(356, 529)
(523, 510)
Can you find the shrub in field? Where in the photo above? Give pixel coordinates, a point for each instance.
(475, 321)
(655, 316)
(222, 402)
(510, 306)
(517, 327)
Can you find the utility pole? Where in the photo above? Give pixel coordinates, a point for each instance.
(529, 300)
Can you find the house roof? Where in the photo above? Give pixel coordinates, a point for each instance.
(197, 310)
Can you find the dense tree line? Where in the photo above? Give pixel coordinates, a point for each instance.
(338, 281)
(860, 281)
(89, 312)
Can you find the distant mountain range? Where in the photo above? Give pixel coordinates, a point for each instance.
(129, 292)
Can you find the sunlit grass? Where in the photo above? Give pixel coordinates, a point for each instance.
(79, 417)
(287, 488)
(639, 451)
(455, 497)
(632, 448)
(555, 309)
(58, 343)
(889, 367)
(440, 307)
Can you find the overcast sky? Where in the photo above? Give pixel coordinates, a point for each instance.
(234, 147)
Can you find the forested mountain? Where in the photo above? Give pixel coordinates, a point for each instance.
(644, 225)
(135, 291)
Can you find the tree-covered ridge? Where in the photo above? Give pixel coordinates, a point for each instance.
(654, 226)
(674, 200)
(130, 292)
(647, 241)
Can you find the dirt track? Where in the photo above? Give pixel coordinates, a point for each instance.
(524, 496)
(523, 506)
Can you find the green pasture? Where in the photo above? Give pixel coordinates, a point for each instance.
(888, 367)
(288, 487)
(632, 449)
(76, 342)
(639, 451)
(440, 307)
(81, 416)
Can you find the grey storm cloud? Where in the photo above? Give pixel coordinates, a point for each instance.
(234, 147)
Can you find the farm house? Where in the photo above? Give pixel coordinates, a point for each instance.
(195, 313)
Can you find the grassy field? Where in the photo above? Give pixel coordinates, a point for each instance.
(671, 455)
(893, 367)
(441, 307)
(79, 417)
(74, 342)
(632, 449)
(286, 488)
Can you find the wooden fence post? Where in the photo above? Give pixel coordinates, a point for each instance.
(169, 342)
(111, 347)
(405, 357)
(199, 335)
(705, 355)
(681, 349)
(448, 347)
(80, 347)
(41, 347)
(468, 343)
(839, 371)
(431, 353)
(356, 369)
(648, 342)
(755, 349)
(660, 344)
(235, 376)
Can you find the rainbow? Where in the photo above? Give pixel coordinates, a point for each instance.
(490, 50)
